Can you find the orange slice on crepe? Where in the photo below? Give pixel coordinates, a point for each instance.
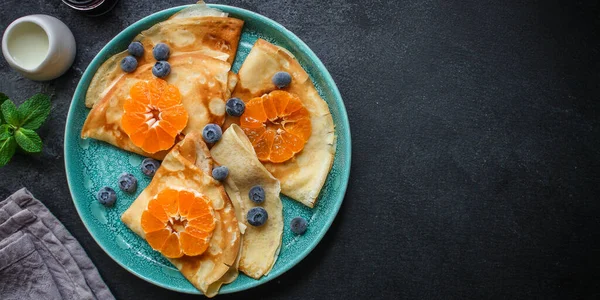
(277, 124)
(178, 222)
(153, 115)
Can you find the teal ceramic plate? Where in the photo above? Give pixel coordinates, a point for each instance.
(91, 165)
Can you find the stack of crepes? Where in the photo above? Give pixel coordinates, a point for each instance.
(195, 221)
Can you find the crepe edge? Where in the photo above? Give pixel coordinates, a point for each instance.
(100, 83)
(242, 139)
(306, 198)
(205, 161)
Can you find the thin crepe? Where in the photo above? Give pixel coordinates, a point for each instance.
(303, 176)
(186, 166)
(202, 49)
(217, 37)
(260, 245)
(204, 84)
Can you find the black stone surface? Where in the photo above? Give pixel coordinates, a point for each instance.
(475, 129)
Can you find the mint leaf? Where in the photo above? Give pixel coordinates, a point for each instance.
(28, 140)
(10, 113)
(34, 111)
(7, 150)
(3, 98)
(6, 131)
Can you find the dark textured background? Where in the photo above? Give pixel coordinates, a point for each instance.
(475, 130)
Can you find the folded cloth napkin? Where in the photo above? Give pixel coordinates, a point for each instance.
(26, 221)
(65, 272)
(21, 266)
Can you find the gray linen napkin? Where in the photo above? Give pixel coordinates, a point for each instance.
(30, 216)
(22, 266)
(63, 269)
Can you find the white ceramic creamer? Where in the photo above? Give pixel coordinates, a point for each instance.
(40, 47)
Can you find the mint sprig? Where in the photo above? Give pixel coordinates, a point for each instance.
(17, 125)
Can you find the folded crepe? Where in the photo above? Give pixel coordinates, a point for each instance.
(303, 176)
(260, 245)
(202, 50)
(197, 28)
(186, 166)
(201, 80)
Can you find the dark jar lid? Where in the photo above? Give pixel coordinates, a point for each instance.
(91, 7)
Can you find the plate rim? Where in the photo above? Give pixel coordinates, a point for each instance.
(345, 172)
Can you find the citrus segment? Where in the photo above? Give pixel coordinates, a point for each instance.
(175, 117)
(270, 109)
(153, 115)
(132, 123)
(254, 134)
(178, 222)
(168, 199)
(193, 231)
(301, 114)
(140, 92)
(163, 138)
(151, 223)
(149, 143)
(263, 145)
(205, 221)
(186, 199)
(277, 124)
(166, 128)
(293, 106)
(193, 245)
(300, 128)
(158, 211)
(292, 142)
(254, 116)
(281, 103)
(171, 247)
(197, 211)
(280, 151)
(157, 239)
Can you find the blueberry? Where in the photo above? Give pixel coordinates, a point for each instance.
(127, 183)
(298, 225)
(220, 173)
(161, 69)
(235, 107)
(161, 51)
(282, 79)
(149, 166)
(257, 216)
(212, 133)
(129, 64)
(136, 49)
(257, 194)
(106, 196)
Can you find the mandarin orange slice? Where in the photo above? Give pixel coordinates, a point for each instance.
(179, 222)
(153, 115)
(277, 124)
